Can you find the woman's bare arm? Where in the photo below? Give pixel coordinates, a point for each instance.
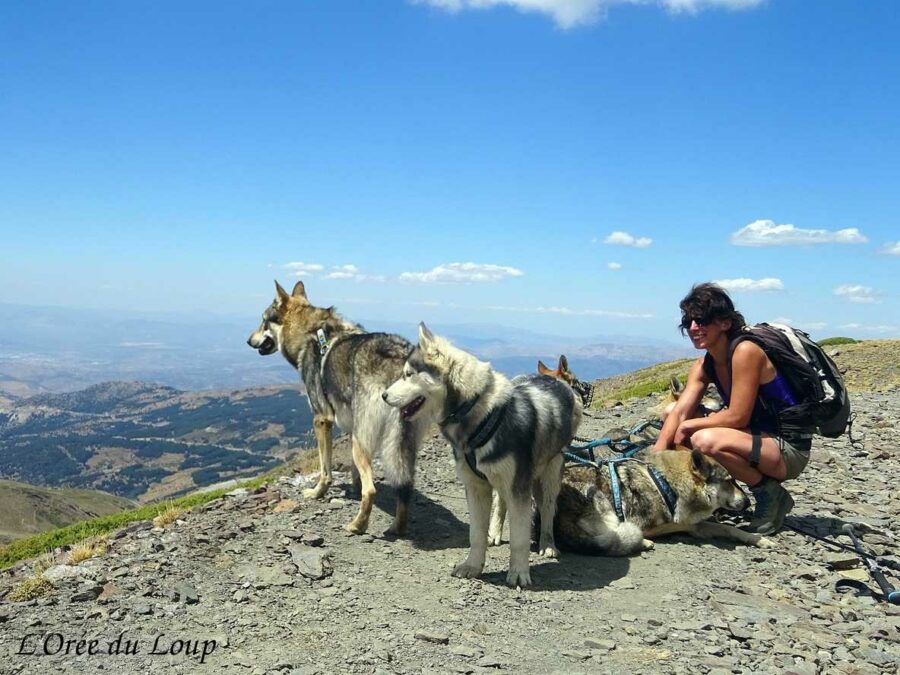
(686, 406)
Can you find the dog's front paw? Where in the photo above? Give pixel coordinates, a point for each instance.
(549, 551)
(317, 492)
(467, 570)
(646, 545)
(396, 530)
(495, 538)
(521, 578)
(765, 542)
(356, 526)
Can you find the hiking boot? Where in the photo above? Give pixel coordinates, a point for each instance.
(773, 503)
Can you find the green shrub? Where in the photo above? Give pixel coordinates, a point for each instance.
(828, 342)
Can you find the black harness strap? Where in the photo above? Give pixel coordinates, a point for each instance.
(487, 428)
(456, 416)
(755, 449)
(482, 434)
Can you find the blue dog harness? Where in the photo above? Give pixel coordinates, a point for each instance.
(662, 485)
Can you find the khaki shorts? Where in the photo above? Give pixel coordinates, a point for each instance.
(795, 460)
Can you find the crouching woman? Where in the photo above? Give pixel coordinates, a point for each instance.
(744, 436)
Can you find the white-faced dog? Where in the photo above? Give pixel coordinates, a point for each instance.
(506, 435)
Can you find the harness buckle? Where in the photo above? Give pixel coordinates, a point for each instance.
(323, 343)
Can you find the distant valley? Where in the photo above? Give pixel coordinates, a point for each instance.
(148, 442)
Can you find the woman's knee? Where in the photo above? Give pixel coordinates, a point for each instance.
(706, 441)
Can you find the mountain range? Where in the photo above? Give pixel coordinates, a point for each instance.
(54, 349)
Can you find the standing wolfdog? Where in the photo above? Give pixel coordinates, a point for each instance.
(506, 436)
(345, 370)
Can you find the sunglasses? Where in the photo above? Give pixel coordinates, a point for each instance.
(686, 321)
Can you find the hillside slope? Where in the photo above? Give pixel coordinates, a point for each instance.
(28, 509)
(867, 366)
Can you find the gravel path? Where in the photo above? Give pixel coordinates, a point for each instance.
(281, 588)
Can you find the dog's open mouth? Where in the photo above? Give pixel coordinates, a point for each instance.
(412, 407)
(267, 346)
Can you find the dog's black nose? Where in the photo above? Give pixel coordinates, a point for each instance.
(384, 396)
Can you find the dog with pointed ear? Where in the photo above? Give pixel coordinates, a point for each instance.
(562, 371)
(701, 466)
(299, 293)
(585, 390)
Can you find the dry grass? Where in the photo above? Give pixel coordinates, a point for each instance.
(167, 515)
(45, 562)
(86, 549)
(33, 587)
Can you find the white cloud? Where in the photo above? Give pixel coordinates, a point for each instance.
(863, 295)
(614, 266)
(351, 273)
(890, 248)
(625, 239)
(751, 285)
(767, 233)
(570, 13)
(870, 328)
(451, 273)
(302, 268)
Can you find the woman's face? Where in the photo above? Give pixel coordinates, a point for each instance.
(706, 335)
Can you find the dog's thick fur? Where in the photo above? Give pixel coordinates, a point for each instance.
(345, 385)
(586, 520)
(536, 417)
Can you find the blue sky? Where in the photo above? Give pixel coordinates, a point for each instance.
(456, 161)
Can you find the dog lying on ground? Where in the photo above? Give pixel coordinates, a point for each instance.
(506, 435)
(695, 487)
(345, 370)
(661, 493)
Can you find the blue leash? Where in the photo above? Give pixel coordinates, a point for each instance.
(626, 452)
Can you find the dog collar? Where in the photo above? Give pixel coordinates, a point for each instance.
(323, 343)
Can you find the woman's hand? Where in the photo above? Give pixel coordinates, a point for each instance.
(684, 432)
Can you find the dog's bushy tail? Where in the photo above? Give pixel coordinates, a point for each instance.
(580, 528)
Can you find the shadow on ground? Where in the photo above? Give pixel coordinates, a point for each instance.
(570, 572)
(432, 526)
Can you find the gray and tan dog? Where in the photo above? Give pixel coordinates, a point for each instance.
(345, 370)
(661, 493)
(506, 435)
(586, 518)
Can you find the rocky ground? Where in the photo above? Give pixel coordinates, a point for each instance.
(270, 583)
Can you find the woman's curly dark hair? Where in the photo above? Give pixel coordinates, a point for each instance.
(709, 302)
